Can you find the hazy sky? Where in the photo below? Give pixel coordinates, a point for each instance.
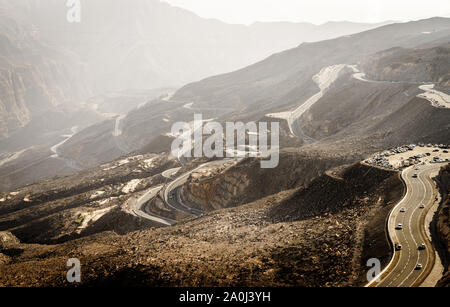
(315, 11)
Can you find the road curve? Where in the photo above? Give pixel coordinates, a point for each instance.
(402, 271)
(324, 79)
(170, 172)
(175, 202)
(136, 207)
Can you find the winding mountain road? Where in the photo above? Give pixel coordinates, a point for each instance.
(402, 271)
(137, 208)
(170, 194)
(324, 79)
(55, 150)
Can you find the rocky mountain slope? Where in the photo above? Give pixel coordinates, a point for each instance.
(72, 206)
(387, 113)
(412, 65)
(253, 244)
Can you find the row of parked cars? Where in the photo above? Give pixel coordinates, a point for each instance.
(441, 146)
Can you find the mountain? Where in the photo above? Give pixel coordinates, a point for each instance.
(280, 79)
(151, 44)
(58, 78)
(281, 82)
(151, 219)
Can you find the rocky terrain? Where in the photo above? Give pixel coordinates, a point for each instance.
(314, 220)
(443, 223)
(246, 182)
(276, 241)
(386, 113)
(72, 206)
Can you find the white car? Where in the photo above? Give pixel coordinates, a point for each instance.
(422, 246)
(422, 206)
(403, 210)
(399, 227)
(419, 267)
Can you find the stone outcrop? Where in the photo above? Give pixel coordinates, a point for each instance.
(216, 193)
(443, 223)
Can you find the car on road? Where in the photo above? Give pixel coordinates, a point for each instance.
(415, 176)
(398, 247)
(422, 206)
(422, 247)
(419, 267)
(403, 210)
(399, 227)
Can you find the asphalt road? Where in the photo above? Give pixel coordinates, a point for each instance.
(171, 192)
(137, 208)
(170, 172)
(402, 271)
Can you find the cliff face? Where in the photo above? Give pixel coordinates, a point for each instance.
(13, 112)
(443, 224)
(34, 78)
(247, 181)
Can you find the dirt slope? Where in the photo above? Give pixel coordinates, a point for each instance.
(252, 245)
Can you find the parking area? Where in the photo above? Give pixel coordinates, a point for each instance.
(413, 154)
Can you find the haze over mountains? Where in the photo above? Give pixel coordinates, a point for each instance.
(152, 44)
(60, 77)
